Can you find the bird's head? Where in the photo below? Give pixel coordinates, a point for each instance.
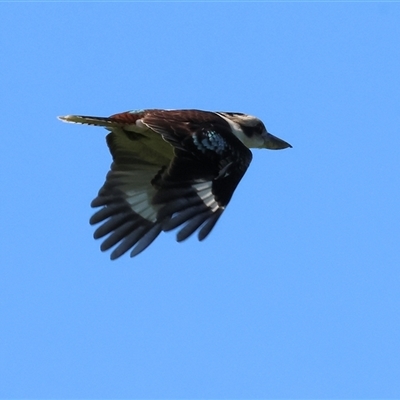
(252, 132)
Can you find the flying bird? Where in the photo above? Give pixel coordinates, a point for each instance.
(170, 169)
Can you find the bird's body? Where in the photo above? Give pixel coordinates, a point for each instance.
(171, 168)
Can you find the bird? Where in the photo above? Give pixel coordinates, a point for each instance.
(170, 169)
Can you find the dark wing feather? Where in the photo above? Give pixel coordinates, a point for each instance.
(170, 169)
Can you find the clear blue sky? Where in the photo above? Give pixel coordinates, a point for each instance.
(295, 294)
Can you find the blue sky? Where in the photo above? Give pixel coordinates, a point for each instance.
(295, 294)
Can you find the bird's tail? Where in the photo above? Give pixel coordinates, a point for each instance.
(82, 119)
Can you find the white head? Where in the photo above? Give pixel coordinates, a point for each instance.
(252, 132)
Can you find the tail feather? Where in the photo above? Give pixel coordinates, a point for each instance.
(82, 119)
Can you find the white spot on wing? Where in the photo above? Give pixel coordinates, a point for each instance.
(204, 191)
(138, 191)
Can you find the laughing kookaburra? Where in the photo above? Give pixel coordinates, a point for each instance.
(170, 169)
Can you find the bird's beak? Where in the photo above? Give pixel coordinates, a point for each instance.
(274, 143)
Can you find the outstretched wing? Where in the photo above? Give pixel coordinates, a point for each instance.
(170, 169)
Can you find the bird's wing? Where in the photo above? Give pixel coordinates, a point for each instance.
(170, 168)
